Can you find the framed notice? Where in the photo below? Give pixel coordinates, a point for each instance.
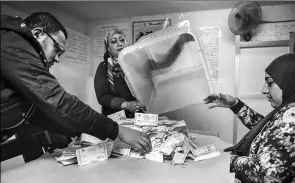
(142, 28)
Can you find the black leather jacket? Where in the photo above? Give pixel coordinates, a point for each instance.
(26, 81)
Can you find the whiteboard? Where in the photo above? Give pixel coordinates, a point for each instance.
(252, 65)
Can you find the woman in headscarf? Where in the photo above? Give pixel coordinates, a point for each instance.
(267, 152)
(110, 86)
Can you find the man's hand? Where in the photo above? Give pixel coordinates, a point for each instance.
(138, 140)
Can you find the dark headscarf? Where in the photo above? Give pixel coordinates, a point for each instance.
(282, 71)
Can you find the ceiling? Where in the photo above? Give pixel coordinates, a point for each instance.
(100, 10)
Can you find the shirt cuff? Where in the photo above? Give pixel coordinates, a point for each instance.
(236, 108)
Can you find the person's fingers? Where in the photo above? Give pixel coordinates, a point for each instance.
(140, 105)
(142, 109)
(144, 144)
(137, 147)
(213, 106)
(208, 101)
(148, 141)
(221, 96)
(145, 135)
(206, 98)
(211, 97)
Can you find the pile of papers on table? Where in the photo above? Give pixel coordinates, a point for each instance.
(170, 141)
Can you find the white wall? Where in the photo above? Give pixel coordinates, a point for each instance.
(199, 117)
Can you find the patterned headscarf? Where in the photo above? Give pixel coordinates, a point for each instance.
(114, 69)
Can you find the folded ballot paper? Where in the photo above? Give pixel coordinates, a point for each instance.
(170, 141)
(84, 150)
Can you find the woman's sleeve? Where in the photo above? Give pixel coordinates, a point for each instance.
(247, 115)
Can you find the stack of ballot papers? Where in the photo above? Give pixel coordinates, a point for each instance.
(170, 141)
(84, 150)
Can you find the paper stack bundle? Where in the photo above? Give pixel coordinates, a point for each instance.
(170, 141)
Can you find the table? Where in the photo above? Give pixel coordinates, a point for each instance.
(126, 170)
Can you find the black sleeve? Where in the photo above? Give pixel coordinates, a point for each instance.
(48, 124)
(103, 93)
(22, 67)
(236, 108)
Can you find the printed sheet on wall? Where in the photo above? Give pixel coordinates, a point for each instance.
(209, 38)
(273, 31)
(76, 47)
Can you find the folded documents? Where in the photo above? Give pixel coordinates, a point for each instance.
(89, 139)
(180, 155)
(171, 143)
(109, 146)
(92, 154)
(68, 161)
(117, 116)
(206, 152)
(125, 121)
(120, 147)
(142, 119)
(178, 158)
(169, 140)
(135, 154)
(155, 156)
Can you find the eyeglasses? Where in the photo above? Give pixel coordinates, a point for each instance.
(59, 49)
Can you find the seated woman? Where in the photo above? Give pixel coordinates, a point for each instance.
(110, 86)
(267, 152)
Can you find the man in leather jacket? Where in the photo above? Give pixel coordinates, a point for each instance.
(30, 94)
